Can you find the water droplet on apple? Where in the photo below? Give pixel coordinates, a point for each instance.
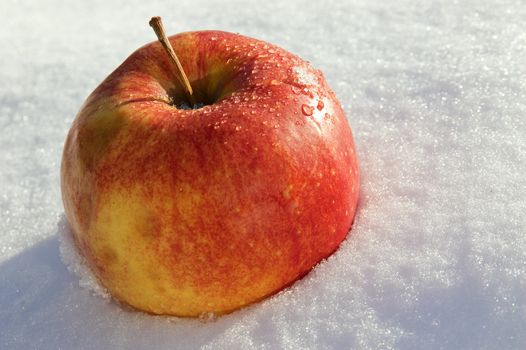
(295, 89)
(213, 38)
(274, 82)
(271, 51)
(320, 105)
(238, 127)
(306, 109)
(253, 112)
(272, 109)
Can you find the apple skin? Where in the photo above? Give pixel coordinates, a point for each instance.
(185, 212)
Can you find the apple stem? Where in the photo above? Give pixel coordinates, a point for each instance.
(157, 25)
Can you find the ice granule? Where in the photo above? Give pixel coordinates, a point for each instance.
(75, 262)
(304, 76)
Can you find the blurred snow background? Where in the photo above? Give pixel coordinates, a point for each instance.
(435, 92)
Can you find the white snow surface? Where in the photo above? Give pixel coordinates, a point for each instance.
(435, 93)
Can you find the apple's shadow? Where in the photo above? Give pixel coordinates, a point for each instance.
(42, 306)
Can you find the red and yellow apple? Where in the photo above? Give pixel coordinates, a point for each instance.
(188, 211)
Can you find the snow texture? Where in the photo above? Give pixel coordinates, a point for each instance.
(435, 92)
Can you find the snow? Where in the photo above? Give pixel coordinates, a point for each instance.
(435, 93)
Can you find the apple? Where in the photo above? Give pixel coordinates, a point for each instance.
(185, 211)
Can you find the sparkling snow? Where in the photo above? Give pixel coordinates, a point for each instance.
(435, 92)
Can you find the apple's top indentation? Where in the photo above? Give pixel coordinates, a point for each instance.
(223, 69)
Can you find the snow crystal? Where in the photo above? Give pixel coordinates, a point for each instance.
(75, 262)
(304, 76)
(435, 94)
